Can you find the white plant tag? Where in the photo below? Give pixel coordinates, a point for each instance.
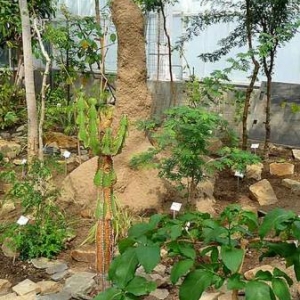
(254, 146)
(22, 220)
(67, 154)
(24, 161)
(239, 174)
(176, 206)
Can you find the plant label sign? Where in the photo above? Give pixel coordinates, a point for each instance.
(176, 206)
(22, 220)
(254, 146)
(67, 154)
(239, 174)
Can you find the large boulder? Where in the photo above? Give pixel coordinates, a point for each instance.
(9, 149)
(281, 169)
(263, 192)
(139, 190)
(254, 171)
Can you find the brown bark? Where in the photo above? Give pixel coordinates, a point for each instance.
(133, 97)
(32, 139)
(253, 77)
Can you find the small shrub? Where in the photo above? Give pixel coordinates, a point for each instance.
(207, 252)
(46, 231)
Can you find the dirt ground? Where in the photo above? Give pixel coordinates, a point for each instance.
(227, 191)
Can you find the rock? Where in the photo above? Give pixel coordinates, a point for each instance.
(10, 296)
(6, 208)
(4, 285)
(247, 204)
(263, 192)
(60, 140)
(5, 187)
(281, 169)
(254, 171)
(214, 145)
(160, 294)
(80, 283)
(9, 149)
(84, 254)
(21, 128)
(294, 185)
(206, 206)
(251, 273)
(209, 296)
(160, 269)
(226, 296)
(42, 263)
(5, 135)
(9, 248)
(296, 153)
(49, 287)
(159, 280)
(59, 276)
(58, 296)
(26, 287)
(57, 267)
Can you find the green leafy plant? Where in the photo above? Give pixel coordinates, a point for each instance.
(11, 108)
(46, 232)
(206, 253)
(183, 141)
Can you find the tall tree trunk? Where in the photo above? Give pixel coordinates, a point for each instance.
(32, 142)
(253, 76)
(268, 116)
(172, 86)
(43, 89)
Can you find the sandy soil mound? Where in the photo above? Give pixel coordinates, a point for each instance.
(139, 190)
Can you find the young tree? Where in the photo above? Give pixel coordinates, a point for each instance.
(32, 117)
(270, 23)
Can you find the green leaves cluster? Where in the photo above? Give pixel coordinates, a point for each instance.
(207, 252)
(184, 139)
(46, 232)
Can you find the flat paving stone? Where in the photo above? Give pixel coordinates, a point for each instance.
(58, 296)
(26, 287)
(57, 268)
(80, 283)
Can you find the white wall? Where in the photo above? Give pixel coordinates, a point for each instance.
(287, 68)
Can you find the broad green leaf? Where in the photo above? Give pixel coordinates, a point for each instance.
(139, 286)
(148, 256)
(274, 219)
(278, 273)
(257, 290)
(296, 230)
(195, 284)
(264, 275)
(232, 257)
(122, 268)
(235, 282)
(124, 244)
(187, 250)
(281, 289)
(139, 229)
(110, 294)
(180, 268)
(155, 219)
(176, 231)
